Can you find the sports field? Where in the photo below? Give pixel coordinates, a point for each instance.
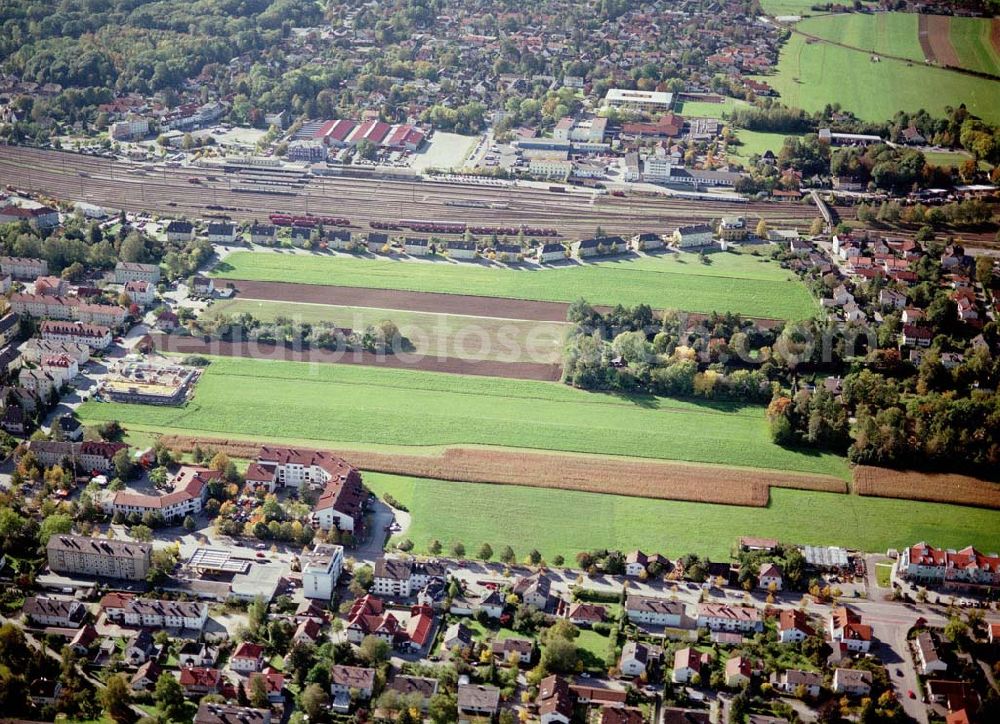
(704, 109)
(526, 518)
(812, 74)
(449, 335)
(355, 405)
(729, 282)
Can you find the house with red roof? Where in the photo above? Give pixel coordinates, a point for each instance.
(965, 569)
(247, 657)
(846, 628)
(793, 626)
(198, 681)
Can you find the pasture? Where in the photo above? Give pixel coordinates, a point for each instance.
(448, 335)
(812, 74)
(327, 404)
(755, 142)
(705, 109)
(883, 33)
(527, 518)
(970, 38)
(753, 286)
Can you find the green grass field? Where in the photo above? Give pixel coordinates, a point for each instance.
(755, 142)
(970, 37)
(449, 335)
(703, 109)
(811, 75)
(884, 33)
(730, 282)
(349, 404)
(526, 518)
(779, 8)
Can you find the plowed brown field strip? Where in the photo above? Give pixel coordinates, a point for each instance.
(937, 30)
(668, 481)
(426, 362)
(933, 487)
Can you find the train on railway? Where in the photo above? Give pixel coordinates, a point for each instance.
(460, 227)
(308, 220)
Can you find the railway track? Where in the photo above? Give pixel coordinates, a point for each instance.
(168, 191)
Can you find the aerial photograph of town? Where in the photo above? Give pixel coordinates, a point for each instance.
(500, 361)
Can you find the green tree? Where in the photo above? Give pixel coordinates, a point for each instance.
(52, 525)
(258, 692)
(189, 524)
(142, 533)
(485, 552)
(170, 696)
(313, 701)
(507, 555)
(116, 697)
(374, 650)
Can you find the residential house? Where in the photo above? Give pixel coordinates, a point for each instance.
(534, 590)
(963, 569)
(247, 657)
(637, 658)
(462, 249)
(927, 654)
(555, 701)
(140, 292)
(790, 680)
(723, 617)
(733, 228)
(852, 682)
(514, 650)
(307, 632)
(458, 634)
(793, 626)
(376, 241)
(585, 614)
(146, 676)
(140, 647)
(83, 640)
(352, 679)
(738, 672)
(414, 686)
(846, 628)
(415, 246)
(654, 611)
(214, 713)
(178, 230)
(677, 715)
(770, 577)
(622, 715)
(403, 577)
(551, 252)
(688, 237)
(688, 663)
(202, 286)
(264, 234)
(20, 267)
(193, 653)
(127, 271)
(221, 232)
(320, 570)
(274, 684)
(476, 701)
(647, 242)
(197, 681)
(54, 612)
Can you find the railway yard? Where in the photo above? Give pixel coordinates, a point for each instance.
(169, 191)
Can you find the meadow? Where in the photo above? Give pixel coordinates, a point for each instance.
(526, 518)
(358, 405)
(883, 33)
(756, 142)
(448, 335)
(970, 37)
(811, 75)
(750, 285)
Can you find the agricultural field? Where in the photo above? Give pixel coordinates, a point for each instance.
(785, 8)
(753, 286)
(357, 405)
(448, 335)
(812, 74)
(970, 39)
(883, 33)
(526, 518)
